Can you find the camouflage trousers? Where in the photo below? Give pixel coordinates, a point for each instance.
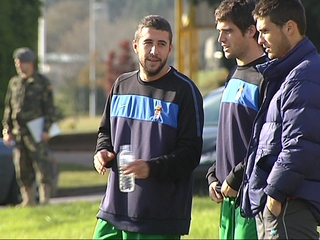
(32, 162)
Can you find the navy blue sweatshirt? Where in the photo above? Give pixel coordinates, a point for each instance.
(170, 141)
(239, 106)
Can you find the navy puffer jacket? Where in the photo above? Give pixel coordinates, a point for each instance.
(284, 152)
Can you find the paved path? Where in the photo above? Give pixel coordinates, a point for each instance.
(82, 158)
(87, 198)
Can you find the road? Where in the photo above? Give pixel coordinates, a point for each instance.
(73, 157)
(87, 198)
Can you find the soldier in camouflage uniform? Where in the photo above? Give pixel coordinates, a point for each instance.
(29, 96)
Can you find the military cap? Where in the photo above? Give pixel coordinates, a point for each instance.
(24, 54)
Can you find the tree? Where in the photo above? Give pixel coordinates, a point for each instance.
(118, 9)
(18, 28)
(115, 66)
(63, 19)
(313, 20)
(68, 31)
(312, 8)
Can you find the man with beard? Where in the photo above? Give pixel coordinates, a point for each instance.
(281, 186)
(159, 112)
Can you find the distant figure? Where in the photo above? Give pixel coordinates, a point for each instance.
(159, 112)
(29, 96)
(240, 103)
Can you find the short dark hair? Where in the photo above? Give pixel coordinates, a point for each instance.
(281, 11)
(24, 54)
(238, 12)
(153, 21)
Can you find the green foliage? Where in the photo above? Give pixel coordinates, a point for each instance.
(211, 79)
(18, 28)
(66, 99)
(313, 20)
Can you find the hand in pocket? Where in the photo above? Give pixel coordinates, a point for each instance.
(274, 206)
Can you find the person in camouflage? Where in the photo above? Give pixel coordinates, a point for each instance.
(29, 96)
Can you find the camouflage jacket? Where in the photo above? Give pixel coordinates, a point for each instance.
(27, 99)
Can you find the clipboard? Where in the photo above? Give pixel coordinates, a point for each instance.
(35, 127)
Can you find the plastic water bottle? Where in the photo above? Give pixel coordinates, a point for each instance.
(125, 156)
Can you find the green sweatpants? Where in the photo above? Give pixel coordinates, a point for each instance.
(233, 225)
(105, 230)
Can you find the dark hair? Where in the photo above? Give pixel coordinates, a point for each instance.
(238, 12)
(153, 21)
(281, 11)
(24, 54)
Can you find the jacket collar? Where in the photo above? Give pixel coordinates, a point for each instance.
(279, 68)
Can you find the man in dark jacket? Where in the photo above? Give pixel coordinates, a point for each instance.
(281, 185)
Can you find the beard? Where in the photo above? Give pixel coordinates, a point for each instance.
(282, 48)
(151, 72)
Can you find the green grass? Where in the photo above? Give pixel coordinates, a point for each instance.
(77, 220)
(79, 124)
(55, 219)
(72, 175)
(205, 219)
(205, 212)
(64, 221)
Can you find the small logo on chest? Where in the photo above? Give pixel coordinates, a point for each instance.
(239, 92)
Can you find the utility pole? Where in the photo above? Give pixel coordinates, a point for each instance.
(42, 39)
(92, 53)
